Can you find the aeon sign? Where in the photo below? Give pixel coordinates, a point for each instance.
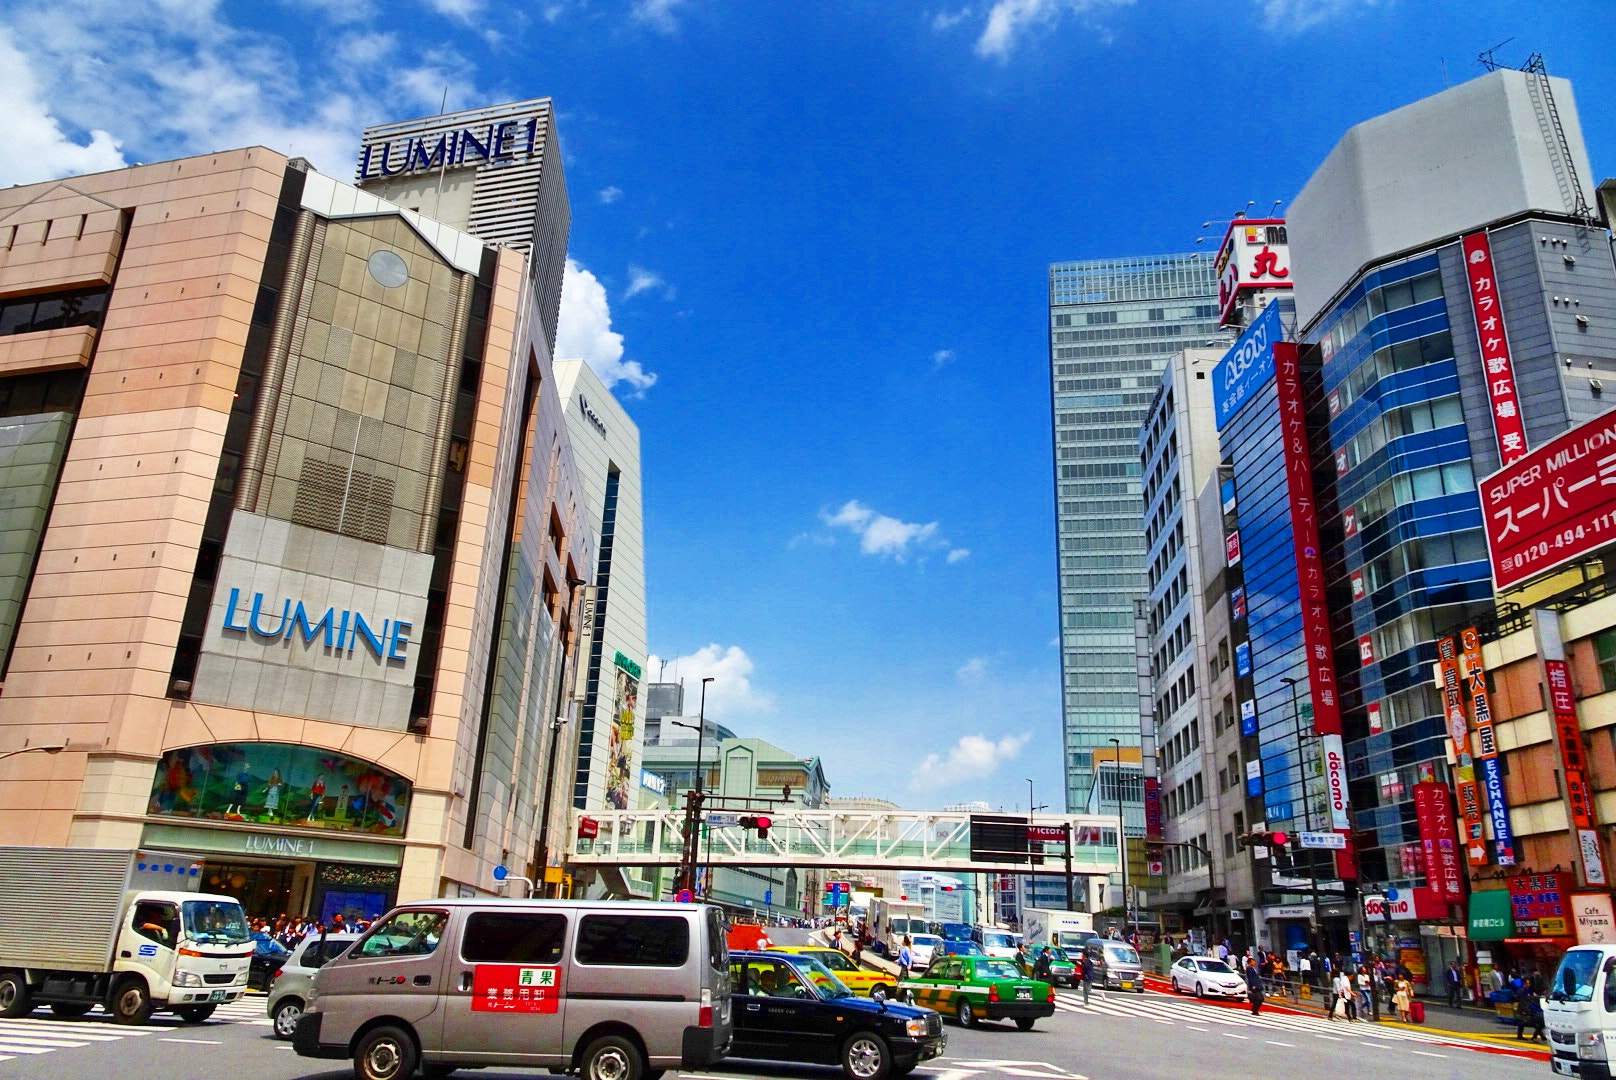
(1248, 366)
(500, 141)
(341, 632)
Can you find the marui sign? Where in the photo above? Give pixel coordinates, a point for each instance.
(1554, 505)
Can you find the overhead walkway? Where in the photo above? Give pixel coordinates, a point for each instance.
(851, 840)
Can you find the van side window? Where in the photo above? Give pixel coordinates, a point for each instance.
(156, 921)
(513, 937)
(409, 933)
(633, 940)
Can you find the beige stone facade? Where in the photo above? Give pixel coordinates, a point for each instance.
(435, 434)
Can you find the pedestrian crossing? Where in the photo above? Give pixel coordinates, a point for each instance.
(1163, 1009)
(41, 1033)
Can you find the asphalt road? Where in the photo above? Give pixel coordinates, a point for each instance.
(1120, 1037)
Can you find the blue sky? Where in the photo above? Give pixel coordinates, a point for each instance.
(810, 242)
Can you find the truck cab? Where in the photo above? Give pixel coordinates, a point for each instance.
(191, 951)
(1579, 1011)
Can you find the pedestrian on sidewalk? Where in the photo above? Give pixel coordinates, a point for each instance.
(1455, 983)
(1085, 973)
(1346, 998)
(1529, 1013)
(1254, 986)
(1402, 998)
(1304, 971)
(1366, 1004)
(906, 959)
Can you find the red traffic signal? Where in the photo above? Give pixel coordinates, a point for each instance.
(758, 822)
(1279, 839)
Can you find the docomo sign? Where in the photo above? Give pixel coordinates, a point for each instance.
(1554, 505)
(1378, 909)
(1335, 780)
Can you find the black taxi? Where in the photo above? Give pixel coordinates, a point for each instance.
(790, 1007)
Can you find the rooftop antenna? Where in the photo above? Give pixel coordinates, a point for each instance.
(1445, 83)
(1488, 60)
(443, 166)
(1275, 210)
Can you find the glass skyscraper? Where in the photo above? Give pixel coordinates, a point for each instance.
(1112, 325)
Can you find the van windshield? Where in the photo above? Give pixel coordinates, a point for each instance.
(1121, 954)
(1575, 979)
(997, 939)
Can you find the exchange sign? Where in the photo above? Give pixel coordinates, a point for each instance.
(1555, 505)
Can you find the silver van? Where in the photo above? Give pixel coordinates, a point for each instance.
(611, 990)
(1115, 964)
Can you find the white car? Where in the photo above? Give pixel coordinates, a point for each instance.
(1206, 976)
(998, 942)
(924, 947)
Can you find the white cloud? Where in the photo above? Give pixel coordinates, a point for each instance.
(658, 14)
(585, 332)
(1295, 16)
(1009, 20)
(972, 671)
(731, 691)
(879, 534)
(456, 9)
(610, 194)
(36, 146)
(973, 757)
(958, 554)
(642, 280)
(947, 20)
(942, 357)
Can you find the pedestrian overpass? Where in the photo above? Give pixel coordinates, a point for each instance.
(852, 840)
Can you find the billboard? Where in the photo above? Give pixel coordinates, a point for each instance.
(1579, 794)
(1255, 255)
(626, 699)
(1492, 771)
(1247, 366)
(1464, 769)
(1439, 840)
(1554, 505)
(1489, 313)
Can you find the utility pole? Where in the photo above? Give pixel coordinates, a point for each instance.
(1122, 831)
(1307, 821)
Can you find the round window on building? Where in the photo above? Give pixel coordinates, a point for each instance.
(388, 268)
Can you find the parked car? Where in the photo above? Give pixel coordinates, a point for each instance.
(1206, 976)
(790, 1007)
(1062, 972)
(467, 983)
(972, 988)
(293, 984)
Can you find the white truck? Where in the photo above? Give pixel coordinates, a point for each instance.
(127, 930)
(1579, 1011)
(891, 920)
(1051, 926)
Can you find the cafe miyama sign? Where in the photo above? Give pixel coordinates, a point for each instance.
(502, 140)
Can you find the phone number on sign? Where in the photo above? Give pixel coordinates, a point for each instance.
(1570, 536)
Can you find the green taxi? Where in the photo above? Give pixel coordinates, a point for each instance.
(972, 988)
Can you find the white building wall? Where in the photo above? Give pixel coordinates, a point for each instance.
(610, 439)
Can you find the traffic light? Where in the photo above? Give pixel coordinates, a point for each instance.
(1273, 841)
(759, 823)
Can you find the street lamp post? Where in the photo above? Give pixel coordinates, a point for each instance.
(1122, 830)
(697, 820)
(1307, 815)
(556, 724)
(43, 748)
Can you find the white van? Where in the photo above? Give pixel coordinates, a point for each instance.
(1579, 1011)
(610, 990)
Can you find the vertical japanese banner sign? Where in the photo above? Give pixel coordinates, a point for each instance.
(1484, 303)
(1492, 772)
(1439, 840)
(1316, 635)
(1579, 796)
(1464, 769)
(1153, 814)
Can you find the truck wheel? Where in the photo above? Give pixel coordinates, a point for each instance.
(385, 1053)
(865, 1057)
(611, 1057)
(15, 997)
(68, 1011)
(132, 1003)
(195, 1014)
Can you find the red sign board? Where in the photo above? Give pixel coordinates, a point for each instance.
(1506, 406)
(1554, 505)
(588, 828)
(1231, 549)
(1563, 707)
(1464, 770)
(515, 988)
(1046, 834)
(1316, 635)
(1439, 840)
(1153, 807)
(1539, 901)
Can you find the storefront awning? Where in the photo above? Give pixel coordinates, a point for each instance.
(1492, 918)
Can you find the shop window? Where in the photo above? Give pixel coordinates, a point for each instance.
(516, 937)
(409, 933)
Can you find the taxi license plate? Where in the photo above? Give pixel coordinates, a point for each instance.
(217, 995)
(1127, 986)
(1024, 994)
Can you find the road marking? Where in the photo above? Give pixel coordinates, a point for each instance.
(1232, 1035)
(1156, 1020)
(1288, 1046)
(1427, 1053)
(17, 1048)
(198, 1042)
(283, 1048)
(1192, 1027)
(1332, 1038)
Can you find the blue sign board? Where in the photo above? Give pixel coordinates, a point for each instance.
(1242, 658)
(1248, 366)
(1248, 718)
(768, 897)
(1492, 780)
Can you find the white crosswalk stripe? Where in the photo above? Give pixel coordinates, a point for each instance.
(40, 1033)
(1164, 1009)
